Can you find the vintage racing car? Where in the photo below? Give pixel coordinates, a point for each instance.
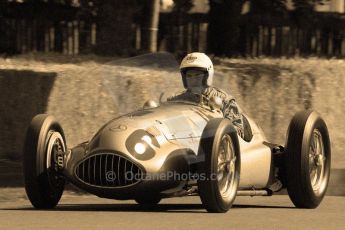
(179, 148)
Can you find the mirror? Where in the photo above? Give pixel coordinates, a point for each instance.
(150, 104)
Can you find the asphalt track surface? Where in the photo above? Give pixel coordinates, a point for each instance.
(89, 212)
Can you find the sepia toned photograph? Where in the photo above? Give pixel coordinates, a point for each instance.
(172, 114)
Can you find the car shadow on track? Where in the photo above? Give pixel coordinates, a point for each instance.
(172, 208)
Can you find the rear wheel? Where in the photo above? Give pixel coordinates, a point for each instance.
(44, 140)
(219, 171)
(307, 160)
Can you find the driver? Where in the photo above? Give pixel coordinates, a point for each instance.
(197, 76)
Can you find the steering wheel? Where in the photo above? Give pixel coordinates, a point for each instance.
(210, 103)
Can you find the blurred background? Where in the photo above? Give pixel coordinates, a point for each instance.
(275, 56)
(222, 27)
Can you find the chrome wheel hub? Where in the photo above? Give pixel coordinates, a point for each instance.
(226, 166)
(316, 160)
(56, 144)
(55, 148)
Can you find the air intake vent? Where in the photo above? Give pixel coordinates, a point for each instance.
(108, 170)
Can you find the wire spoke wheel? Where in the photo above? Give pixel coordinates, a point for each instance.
(220, 153)
(308, 159)
(316, 160)
(226, 165)
(55, 145)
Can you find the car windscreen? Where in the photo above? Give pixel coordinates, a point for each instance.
(130, 82)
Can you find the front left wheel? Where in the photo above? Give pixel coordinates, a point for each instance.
(44, 140)
(219, 169)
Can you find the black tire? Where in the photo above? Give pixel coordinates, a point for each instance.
(43, 185)
(305, 190)
(216, 131)
(148, 200)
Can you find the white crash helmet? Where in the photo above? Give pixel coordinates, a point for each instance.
(197, 61)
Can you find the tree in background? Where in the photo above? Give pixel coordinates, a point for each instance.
(180, 10)
(183, 6)
(60, 2)
(149, 25)
(225, 18)
(304, 12)
(261, 7)
(114, 25)
(223, 30)
(114, 18)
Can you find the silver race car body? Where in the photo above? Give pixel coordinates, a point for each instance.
(170, 134)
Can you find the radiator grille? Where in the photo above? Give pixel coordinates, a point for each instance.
(108, 170)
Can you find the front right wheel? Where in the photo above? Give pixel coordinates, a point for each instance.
(44, 140)
(307, 159)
